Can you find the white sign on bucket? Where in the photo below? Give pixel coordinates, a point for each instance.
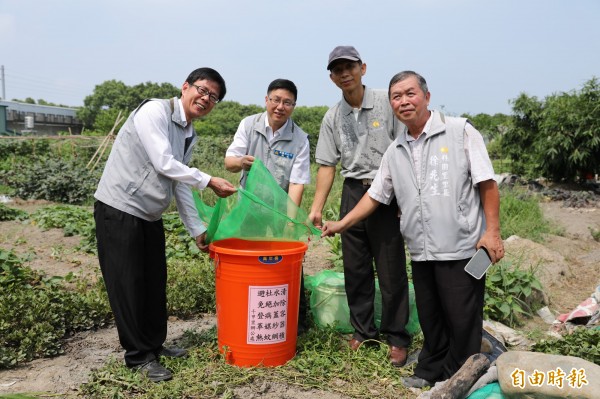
(267, 314)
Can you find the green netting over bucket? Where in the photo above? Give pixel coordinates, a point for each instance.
(261, 211)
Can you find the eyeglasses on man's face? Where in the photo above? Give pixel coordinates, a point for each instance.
(286, 103)
(205, 92)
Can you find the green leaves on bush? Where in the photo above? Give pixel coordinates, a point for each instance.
(559, 137)
(191, 287)
(23, 148)
(335, 249)
(7, 213)
(72, 219)
(179, 243)
(51, 179)
(510, 293)
(582, 342)
(36, 312)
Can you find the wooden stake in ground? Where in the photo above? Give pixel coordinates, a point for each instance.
(104, 144)
(459, 384)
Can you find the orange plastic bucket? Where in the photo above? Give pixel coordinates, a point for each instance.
(257, 292)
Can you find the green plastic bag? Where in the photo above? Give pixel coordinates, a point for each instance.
(261, 211)
(328, 302)
(329, 305)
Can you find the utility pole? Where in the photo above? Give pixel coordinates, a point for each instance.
(3, 85)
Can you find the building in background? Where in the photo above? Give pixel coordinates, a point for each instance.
(32, 119)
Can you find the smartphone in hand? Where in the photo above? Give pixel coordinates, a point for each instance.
(479, 263)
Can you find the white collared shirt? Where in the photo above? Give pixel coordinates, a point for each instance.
(301, 167)
(480, 165)
(151, 123)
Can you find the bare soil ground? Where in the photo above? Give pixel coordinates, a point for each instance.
(568, 267)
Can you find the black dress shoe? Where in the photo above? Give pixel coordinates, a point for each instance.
(173, 352)
(155, 372)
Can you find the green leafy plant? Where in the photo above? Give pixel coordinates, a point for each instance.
(510, 293)
(558, 137)
(7, 213)
(332, 212)
(72, 219)
(335, 249)
(179, 243)
(24, 148)
(582, 342)
(190, 287)
(51, 179)
(37, 312)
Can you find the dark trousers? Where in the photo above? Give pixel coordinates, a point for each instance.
(375, 238)
(132, 258)
(450, 307)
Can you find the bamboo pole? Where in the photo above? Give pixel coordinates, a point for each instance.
(104, 144)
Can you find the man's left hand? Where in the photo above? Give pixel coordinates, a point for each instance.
(221, 187)
(493, 243)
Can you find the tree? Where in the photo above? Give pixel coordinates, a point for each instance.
(225, 118)
(116, 95)
(40, 101)
(490, 126)
(106, 118)
(558, 138)
(570, 134)
(309, 119)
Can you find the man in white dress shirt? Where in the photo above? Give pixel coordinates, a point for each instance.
(147, 167)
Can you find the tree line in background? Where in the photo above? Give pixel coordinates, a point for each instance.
(557, 138)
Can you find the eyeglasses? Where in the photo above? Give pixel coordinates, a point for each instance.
(204, 92)
(286, 103)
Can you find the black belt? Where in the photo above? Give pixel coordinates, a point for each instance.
(364, 182)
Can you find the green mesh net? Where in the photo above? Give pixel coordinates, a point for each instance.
(261, 211)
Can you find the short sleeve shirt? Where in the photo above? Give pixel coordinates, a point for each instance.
(358, 143)
(480, 164)
(241, 141)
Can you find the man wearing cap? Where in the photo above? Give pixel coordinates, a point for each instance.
(356, 132)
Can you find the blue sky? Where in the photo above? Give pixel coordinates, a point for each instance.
(475, 55)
